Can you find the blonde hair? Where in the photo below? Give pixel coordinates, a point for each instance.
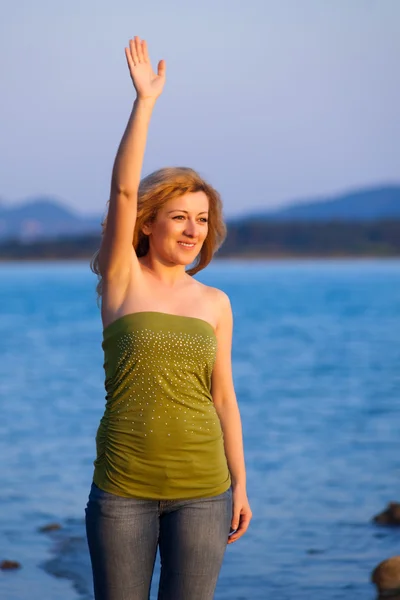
(154, 191)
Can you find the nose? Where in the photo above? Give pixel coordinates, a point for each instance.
(190, 228)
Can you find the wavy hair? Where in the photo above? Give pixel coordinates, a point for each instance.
(154, 191)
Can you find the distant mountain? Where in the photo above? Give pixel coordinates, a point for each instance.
(372, 204)
(41, 218)
(47, 218)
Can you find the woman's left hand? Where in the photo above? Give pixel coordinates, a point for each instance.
(241, 513)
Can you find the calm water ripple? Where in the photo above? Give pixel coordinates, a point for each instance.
(316, 365)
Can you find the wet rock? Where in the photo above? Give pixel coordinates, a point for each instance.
(8, 565)
(390, 516)
(386, 577)
(50, 527)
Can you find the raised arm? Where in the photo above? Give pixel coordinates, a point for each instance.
(116, 251)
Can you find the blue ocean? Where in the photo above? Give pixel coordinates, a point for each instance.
(316, 361)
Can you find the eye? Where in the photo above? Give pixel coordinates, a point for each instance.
(178, 217)
(204, 219)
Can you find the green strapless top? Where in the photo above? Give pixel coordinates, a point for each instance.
(160, 436)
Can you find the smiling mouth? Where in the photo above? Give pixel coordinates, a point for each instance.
(186, 244)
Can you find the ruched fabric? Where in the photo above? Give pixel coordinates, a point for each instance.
(160, 436)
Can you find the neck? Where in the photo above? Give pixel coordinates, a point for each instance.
(168, 274)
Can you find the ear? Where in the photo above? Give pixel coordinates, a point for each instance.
(146, 228)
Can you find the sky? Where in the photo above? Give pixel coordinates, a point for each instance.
(272, 101)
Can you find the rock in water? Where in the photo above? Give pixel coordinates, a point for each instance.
(7, 565)
(50, 527)
(386, 577)
(390, 516)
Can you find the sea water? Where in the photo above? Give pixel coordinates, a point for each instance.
(316, 363)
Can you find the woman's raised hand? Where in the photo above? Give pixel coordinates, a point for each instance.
(147, 83)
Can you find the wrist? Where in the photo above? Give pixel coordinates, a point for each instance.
(147, 101)
(238, 483)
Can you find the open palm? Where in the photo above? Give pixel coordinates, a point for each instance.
(147, 83)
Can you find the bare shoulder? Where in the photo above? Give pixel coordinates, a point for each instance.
(220, 298)
(220, 302)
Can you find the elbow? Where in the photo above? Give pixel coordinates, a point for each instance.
(120, 190)
(224, 403)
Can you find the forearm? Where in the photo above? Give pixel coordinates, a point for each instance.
(129, 159)
(229, 416)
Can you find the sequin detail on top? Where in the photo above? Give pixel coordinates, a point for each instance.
(160, 436)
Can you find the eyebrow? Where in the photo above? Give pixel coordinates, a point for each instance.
(204, 212)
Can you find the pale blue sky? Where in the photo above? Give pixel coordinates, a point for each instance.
(269, 100)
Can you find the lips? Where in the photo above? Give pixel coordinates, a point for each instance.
(187, 245)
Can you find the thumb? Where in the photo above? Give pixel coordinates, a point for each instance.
(161, 69)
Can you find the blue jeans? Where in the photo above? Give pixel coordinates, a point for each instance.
(123, 535)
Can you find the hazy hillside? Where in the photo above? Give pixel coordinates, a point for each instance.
(40, 218)
(46, 218)
(372, 204)
(249, 239)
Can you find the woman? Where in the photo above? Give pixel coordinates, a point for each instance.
(170, 470)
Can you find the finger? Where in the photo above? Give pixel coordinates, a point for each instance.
(145, 51)
(161, 69)
(244, 525)
(238, 534)
(129, 60)
(138, 45)
(133, 52)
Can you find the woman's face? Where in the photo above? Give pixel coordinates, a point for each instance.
(179, 229)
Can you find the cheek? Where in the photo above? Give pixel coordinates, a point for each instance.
(163, 232)
(204, 233)
(167, 235)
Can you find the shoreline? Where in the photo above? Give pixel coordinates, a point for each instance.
(239, 257)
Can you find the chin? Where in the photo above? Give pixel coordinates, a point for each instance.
(184, 260)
